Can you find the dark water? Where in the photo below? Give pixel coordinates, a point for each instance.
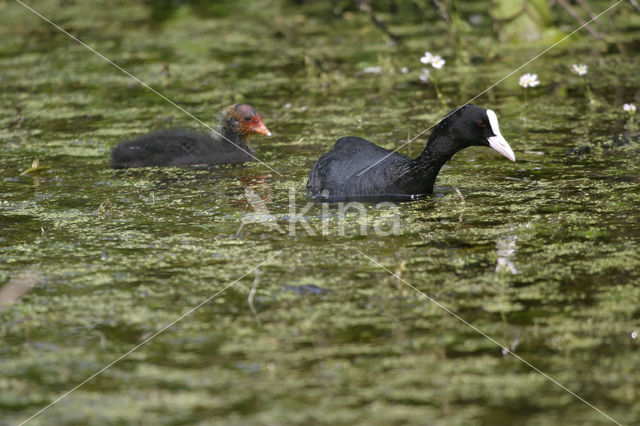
(541, 254)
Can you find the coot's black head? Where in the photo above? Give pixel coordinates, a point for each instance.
(244, 119)
(471, 125)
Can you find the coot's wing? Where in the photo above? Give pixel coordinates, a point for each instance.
(359, 154)
(339, 168)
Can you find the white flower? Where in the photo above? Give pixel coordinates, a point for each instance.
(580, 69)
(529, 80)
(426, 59)
(630, 108)
(404, 70)
(437, 62)
(425, 74)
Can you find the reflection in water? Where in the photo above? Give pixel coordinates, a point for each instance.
(257, 192)
(505, 249)
(260, 214)
(259, 185)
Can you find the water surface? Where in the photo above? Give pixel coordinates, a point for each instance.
(541, 255)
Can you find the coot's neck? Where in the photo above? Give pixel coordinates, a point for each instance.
(230, 132)
(440, 148)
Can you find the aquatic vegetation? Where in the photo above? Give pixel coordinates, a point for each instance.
(521, 20)
(35, 168)
(319, 335)
(372, 70)
(436, 62)
(581, 70)
(526, 81)
(630, 109)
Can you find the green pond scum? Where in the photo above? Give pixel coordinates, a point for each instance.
(541, 254)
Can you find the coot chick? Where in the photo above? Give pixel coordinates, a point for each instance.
(356, 169)
(175, 147)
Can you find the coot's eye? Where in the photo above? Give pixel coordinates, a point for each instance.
(247, 118)
(480, 124)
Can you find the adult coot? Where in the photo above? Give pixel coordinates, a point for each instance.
(174, 147)
(357, 169)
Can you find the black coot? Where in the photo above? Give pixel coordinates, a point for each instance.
(174, 147)
(357, 169)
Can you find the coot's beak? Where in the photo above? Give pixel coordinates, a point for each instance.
(502, 146)
(261, 129)
(498, 142)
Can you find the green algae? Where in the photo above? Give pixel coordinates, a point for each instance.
(120, 254)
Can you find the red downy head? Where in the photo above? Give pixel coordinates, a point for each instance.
(249, 121)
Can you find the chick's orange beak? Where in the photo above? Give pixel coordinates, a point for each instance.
(260, 128)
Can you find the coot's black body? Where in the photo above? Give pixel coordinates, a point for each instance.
(358, 169)
(176, 147)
